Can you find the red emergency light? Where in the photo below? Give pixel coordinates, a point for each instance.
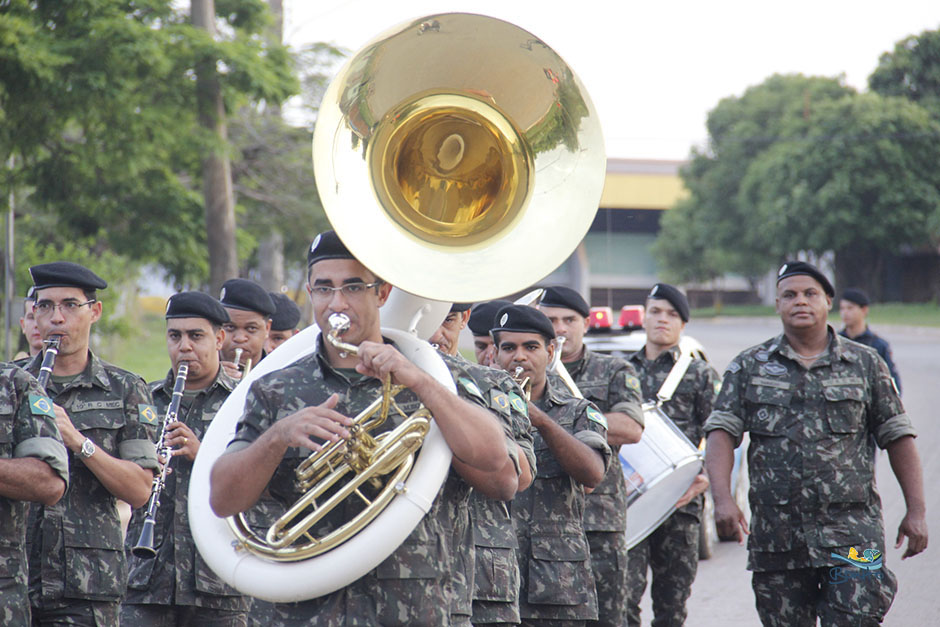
(631, 316)
(600, 318)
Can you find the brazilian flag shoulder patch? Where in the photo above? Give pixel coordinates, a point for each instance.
(500, 400)
(633, 383)
(41, 405)
(518, 403)
(148, 414)
(596, 416)
(470, 387)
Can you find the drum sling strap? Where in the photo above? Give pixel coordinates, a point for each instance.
(674, 377)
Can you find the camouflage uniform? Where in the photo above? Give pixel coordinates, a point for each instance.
(811, 465)
(27, 429)
(76, 564)
(413, 586)
(611, 384)
(554, 558)
(494, 569)
(178, 577)
(671, 551)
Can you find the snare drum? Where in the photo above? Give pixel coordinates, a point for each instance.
(658, 469)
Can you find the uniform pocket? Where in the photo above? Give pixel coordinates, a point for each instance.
(496, 575)
(771, 401)
(771, 521)
(845, 408)
(94, 573)
(560, 560)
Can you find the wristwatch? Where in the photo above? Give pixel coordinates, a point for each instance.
(88, 448)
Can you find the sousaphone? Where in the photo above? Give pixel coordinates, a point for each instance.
(460, 159)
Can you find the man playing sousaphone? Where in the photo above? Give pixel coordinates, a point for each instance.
(292, 411)
(671, 551)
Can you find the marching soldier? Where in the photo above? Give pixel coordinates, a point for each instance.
(284, 321)
(33, 467)
(78, 573)
(492, 567)
(30, 330)
(480, 323)
(671, 551)
(310, 402)
(177, 587)
(815, 406)
(557, 584)
(249, 309)
(611, 384)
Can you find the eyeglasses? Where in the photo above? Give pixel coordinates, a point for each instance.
(45, 308)
(349, 290)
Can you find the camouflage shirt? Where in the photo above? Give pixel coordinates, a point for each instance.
(77, 550)
(414, 585)
(811, 455)
(178, 575)
(554, 558)
(488, 520)
(611, 384)
(27, 429)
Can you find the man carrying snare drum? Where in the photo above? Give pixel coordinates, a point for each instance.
(671, 552)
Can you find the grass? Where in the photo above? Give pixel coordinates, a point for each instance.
(908, 314)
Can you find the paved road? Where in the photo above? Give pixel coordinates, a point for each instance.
(721, 595)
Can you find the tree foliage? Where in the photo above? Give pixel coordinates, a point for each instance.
(712, 232)
(911, 70)
(97, 99)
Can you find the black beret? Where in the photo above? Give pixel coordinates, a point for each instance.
(327, 245)
(287, 315)
(196, 305)
(561, 296)
(65, 274)
(857, 296)
(523, 319)
(247, 296)
(664, 291)
(794, 268)
(460, 307)
(483, 315)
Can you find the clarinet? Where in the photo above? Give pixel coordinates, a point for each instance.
(144, 548)
(48, 361)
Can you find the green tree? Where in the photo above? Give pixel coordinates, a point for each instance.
(711, 232)
(98, 103)
(911, 70)
(860, 181)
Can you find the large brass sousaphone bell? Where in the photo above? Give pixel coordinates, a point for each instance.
(460, 159)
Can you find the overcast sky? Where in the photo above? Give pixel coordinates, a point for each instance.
(655, 69)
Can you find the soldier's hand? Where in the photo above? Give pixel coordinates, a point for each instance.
(914, 526)
(231, 369)
(182, 441)
(320, 421)
(71, 437)
(730, 521)
(699, 485)
(381, 360)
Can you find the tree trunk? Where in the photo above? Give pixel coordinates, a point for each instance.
(271, 247)
(217, 190)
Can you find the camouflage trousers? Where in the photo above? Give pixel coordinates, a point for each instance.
(153, 615)
(838, 595)
(671, 553)
(609, 562)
